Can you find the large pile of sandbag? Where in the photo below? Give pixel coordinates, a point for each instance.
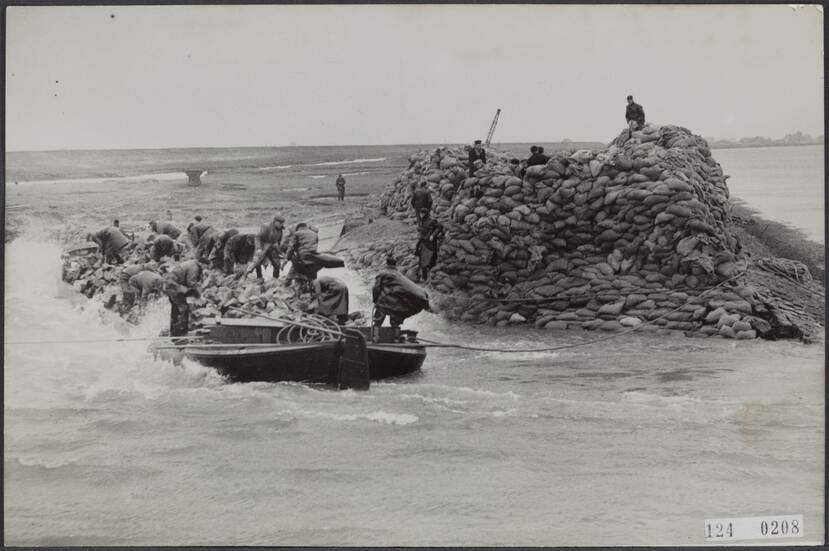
(603, 239)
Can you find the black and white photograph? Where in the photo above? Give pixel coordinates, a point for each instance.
(380, 275)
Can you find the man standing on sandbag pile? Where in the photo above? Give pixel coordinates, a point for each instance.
(127, 295)
(217, 255)
(477, 153)
(302, 252)
(112, 244)
(268, 246)
(537, 156)
(340, 188)
(428, 245)
(332, 298)
(421, 199)
(239, 249)
(180, 283)
(396, 296)
(164, 245)
(165, 228)
(634, 115)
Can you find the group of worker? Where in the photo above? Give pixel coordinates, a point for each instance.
(172, 262)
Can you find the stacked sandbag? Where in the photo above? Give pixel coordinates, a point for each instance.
(220, 294)
(609, 239)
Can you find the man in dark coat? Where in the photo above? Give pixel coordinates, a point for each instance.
(127, 294)
(268, 246)
(634, 115)
(146, 283)
(164, 245)
(421, 199)
(180, 283)
(396, 296)
(239, 249)
(302, 252)
(428, 245)
(203, 236)
(477, 153)
(332, 298)
(537, 156)
(111, 243)
(217, 255)
(340, 187)
(165, 228)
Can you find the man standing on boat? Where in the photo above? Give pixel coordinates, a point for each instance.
(332, 298)
(340, 188)
(180, 283)
(268, 243)
(396, 296)
(111, 243)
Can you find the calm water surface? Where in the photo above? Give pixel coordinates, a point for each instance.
(633, 441)
(785, 184)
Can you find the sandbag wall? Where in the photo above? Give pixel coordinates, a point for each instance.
(603, 239)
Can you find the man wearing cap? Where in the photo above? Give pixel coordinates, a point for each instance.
(396, 296)
(111, 243)
(421, 199)
(477, 153)
(268, 243)
(537, 156)
(634, 115)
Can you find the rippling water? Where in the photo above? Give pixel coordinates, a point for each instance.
(633, 441)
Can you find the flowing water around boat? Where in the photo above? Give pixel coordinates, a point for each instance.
(632, 441)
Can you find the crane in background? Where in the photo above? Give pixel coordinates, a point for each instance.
(492, 128)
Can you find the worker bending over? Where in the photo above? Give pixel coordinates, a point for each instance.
(396, 296)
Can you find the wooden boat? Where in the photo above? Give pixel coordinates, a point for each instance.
(246, 350)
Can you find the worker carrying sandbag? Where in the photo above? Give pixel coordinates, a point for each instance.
(634, 115)
(181, 283)
(396, 296)
(112, 244)
(332, 298)
(146, 283)
(203, 237)
(421, 199)
(428, 245)
(127, 291)
(302, 252)
(268, 245)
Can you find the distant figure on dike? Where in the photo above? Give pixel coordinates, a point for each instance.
(537, 156)
(421, 199)
(477, 153)
(340, 188)
(634, 115)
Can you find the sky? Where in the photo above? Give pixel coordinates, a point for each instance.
(97, 77)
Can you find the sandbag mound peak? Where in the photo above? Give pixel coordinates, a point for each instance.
(600, 238)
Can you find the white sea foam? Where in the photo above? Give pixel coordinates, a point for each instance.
(350, 162)
(277, 167)
(161, 177)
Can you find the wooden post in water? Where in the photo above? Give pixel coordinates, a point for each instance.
(194, 177)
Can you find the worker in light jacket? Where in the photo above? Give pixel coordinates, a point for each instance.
(396, 296)
(112, 244)
(181, 283)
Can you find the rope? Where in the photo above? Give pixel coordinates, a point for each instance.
(436, 344)
(98, 340)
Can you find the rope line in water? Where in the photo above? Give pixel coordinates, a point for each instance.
(88, 341)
